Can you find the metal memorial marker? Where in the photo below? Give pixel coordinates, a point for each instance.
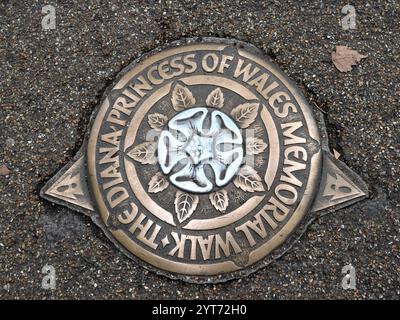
(204, 162)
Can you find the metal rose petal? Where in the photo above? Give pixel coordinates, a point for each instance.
(188, 121)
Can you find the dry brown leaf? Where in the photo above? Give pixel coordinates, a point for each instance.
(248, 180)
(345, 57)
(185, 205)
(215, 99)
(158, 183)
(245, 114)
(219, 199)
(157, 120)
(182, 98)
(144, 153)
(255, 146)
(4, 171)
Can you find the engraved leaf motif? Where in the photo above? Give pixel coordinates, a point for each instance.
(157, 120)
(248, 180)
(219, 199)
(255, 146)
(185, 205)
(158, 183)
(245, 114)
(144, 153)
(215, 99)
(182, 98)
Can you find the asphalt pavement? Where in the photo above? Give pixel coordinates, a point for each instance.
(51, 81)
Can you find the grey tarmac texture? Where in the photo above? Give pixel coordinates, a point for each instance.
(52, 80)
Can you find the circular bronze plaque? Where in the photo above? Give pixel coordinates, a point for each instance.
(203, 159)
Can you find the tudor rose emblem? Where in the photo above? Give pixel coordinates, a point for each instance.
(204, 162)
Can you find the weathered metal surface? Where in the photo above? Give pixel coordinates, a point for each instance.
(204, 162)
